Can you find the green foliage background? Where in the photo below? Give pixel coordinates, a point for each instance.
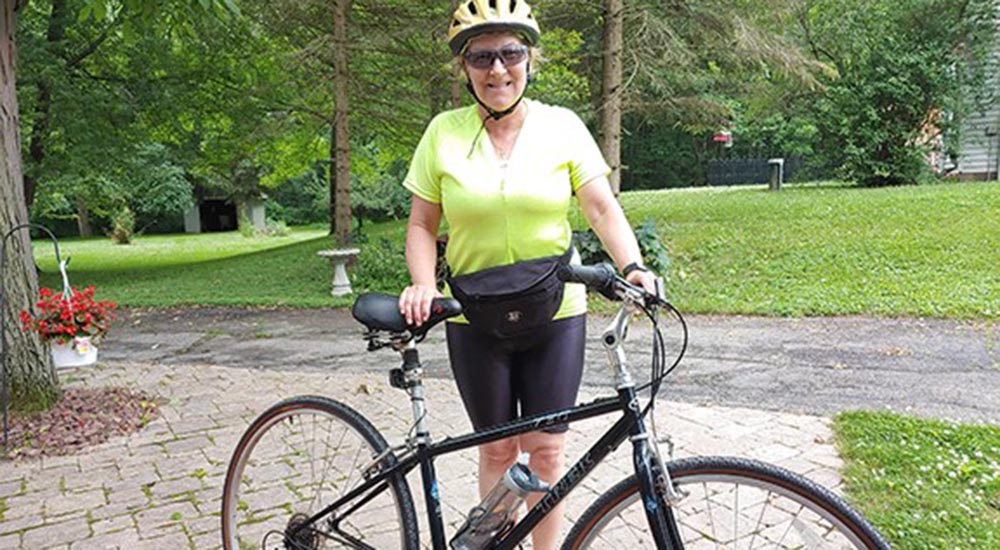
(238, 102)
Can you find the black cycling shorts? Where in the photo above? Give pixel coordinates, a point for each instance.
(539, 373)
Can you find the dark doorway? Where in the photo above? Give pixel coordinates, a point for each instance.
(217, 215)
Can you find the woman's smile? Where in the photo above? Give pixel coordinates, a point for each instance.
(498, 85)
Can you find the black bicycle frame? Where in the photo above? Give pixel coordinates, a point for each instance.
(630, 425)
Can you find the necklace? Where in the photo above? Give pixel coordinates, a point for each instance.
(503, 147)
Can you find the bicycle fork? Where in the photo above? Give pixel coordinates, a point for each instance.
(655, 487)
(657, 491)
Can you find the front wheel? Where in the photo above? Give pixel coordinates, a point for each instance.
(297, 458)
(729, 503)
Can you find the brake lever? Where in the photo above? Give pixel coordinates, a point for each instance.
(637, 295)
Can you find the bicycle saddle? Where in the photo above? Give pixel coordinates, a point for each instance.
(378, 311)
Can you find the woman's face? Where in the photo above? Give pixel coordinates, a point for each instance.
(503, 80)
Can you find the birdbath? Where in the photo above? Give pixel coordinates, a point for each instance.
(339, 258)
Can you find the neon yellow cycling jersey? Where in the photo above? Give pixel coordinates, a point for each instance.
(501, 212)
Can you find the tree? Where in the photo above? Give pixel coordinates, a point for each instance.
(679, 62)
(31, 376)
(398, 76)
(340, 171)
(900, 65)
(611, 107)
(75, 119)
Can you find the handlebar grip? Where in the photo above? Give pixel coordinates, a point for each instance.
(599, 278)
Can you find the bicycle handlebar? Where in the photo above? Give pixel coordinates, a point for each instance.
(601, 278)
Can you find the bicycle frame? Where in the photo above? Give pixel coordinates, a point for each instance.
(630, 426)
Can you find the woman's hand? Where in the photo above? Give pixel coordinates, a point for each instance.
(644, 279)
(415, 303)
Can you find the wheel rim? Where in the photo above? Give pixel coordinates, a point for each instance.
(296, 462)
(769, 516)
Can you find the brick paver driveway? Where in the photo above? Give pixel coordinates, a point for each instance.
(161, 488)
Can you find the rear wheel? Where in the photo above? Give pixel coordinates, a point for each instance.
(730, 503)
(297, 458)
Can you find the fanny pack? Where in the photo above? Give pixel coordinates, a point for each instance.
(510, 300)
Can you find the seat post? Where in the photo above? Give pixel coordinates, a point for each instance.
(413, 384)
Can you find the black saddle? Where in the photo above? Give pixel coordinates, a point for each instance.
(378, 311)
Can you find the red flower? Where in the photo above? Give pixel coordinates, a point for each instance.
(63, 318)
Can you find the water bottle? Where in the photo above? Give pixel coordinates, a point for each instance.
(495, 514)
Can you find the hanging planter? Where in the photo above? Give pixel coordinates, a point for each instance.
(72, 322)
(78, 352)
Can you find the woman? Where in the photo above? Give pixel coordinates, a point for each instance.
(502, 173)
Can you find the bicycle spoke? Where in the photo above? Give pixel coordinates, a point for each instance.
(736, 515)
(760, 520)
(290, 463)
(711, 521)
(733, 504)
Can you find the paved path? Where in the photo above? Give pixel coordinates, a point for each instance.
(935, 368)
(219, 368)
(161, 488)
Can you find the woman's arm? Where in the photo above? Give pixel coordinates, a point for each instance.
(606, 217)
(421, 259)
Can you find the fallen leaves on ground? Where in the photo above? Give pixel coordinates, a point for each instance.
(83, 417)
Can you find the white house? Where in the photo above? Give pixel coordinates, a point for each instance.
(980, 142)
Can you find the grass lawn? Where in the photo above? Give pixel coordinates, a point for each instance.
(831, 250)
(809, 250)
(925, 484)
(212, 268)
(223, 268)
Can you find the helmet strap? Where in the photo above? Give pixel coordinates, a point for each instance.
(494, 114)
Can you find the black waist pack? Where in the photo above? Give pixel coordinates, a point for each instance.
(510, 300)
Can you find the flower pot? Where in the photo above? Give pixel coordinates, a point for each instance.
(78, 352)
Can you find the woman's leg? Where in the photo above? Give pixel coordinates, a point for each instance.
(481, 366)
(547, 462)
(547, 379)
(494, 459)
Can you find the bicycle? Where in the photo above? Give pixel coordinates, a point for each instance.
(310, 472)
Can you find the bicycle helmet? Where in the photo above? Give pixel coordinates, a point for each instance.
(476, 17)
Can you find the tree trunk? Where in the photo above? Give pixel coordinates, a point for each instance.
(30, 373)
(43, 101)
(332, 214)
(340, 171)
(611, 100)
(83, 218)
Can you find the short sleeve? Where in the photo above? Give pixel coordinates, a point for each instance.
(423, 178)
(585, 159)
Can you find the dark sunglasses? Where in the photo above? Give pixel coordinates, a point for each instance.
(508, 55)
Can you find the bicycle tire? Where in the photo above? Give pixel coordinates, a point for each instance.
(785, 510)
(273, 480)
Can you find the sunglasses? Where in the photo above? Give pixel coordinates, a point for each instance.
(508, 55)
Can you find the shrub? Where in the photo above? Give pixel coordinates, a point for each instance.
(380, 200)
(905, 71)
(245, 225)
(301, 200)
(275, 228)
(123, 226)
(382, 267)
(654, 252)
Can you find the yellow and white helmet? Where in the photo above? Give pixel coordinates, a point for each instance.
(476, 17)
